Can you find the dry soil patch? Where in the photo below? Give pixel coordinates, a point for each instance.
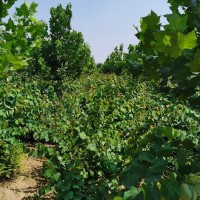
(26, 183)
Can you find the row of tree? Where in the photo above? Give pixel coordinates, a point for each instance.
(168, 53)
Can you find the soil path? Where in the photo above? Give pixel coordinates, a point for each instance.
(26, 184)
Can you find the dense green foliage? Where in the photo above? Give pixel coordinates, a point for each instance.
(115, 62)
(10, 155)
(111, 136)
(22, 42)
(65, 51)
(171, 52)
(4, 7)
(21, 39)
(101, 123)
(119, 62)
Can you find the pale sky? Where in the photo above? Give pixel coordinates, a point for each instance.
(105, 24)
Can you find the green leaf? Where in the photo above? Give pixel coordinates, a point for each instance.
(64, 186)
(17, 61)
(23, 10)
(170, 190)
(173, 5)
(188, 143)
(10, 25)
(195, 167)
(177, 22)
(4, 6)
(2, 114)
(132, 194)
(195, 64)
(166, 131)
(118, 198)
(151, 71)
(82, 135)
(150, 22)
(133, 55)
(186, 193)
(69, 195)
(32, 8)
(176, 142)
(152, 192)
(47, 188)
(187, 41)
(92, 147)
(158, 166)
(194, 179)
(146, 156)
(165, 151)
(77, 177)
(162, 40)
(173, 50)
(56, 176)
(168, 43)
(134, 173)
(110, 166)
(181, 156)
(48, 173)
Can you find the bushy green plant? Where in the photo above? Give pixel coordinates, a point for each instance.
(100, 124)
(10, 155)
(27, 109)
(165, 163)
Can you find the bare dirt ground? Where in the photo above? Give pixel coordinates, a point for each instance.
(26, 184)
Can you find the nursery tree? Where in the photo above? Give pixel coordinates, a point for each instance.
(65, 50)
(115, 62)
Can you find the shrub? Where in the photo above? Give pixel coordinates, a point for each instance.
(10, 155)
